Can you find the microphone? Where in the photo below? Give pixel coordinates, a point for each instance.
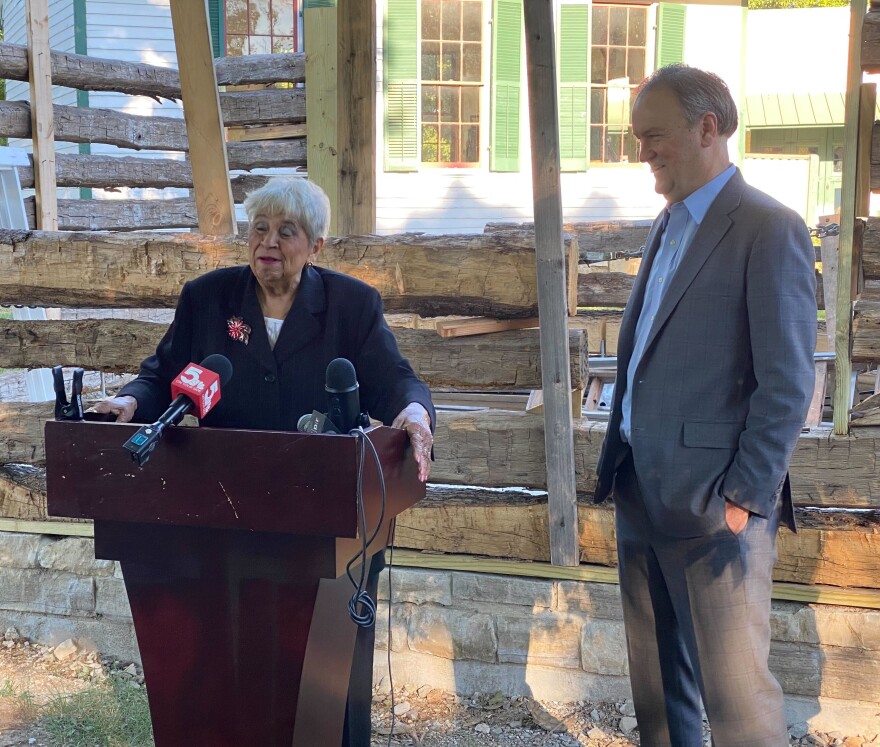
(343, 399)
(317, 422)
(196, 388)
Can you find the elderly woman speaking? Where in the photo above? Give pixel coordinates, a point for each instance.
(280, 320)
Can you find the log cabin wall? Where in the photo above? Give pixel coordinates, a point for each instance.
(267, 122)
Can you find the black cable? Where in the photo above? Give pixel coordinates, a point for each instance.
(388, 647)
(361, 607)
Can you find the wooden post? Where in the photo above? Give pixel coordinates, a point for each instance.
(549, 254)
(340, 44)
(42, 118)
(321, 73)
(356, 107)
(843, 320)
(204, 123)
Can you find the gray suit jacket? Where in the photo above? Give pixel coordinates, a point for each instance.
(722, 390)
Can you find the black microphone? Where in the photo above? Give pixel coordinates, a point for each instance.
(317, 422)
(343, 399)
(142, 444)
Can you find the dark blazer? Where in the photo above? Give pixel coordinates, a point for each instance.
(722, 390)
(333, 316)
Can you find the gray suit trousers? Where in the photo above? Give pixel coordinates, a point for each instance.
(697, 619)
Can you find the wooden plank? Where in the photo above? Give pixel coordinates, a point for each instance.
(270, 132)
(37, 22)
(547, 198)
(598, 324)
(204, 123)
(481, 326)
(321, 105)
(535, 403)
(814, 594)
(867, 107)
(141, 79)
(504, 361)
(267, 154)
(356, 116)
(268, 106)
(817, 403)
(429, 275)
(870, 52)
(866, 331)
(843, 312)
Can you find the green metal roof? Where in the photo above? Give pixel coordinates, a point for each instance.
(794, 110)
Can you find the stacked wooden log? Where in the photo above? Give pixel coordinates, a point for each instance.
(281, 107)
(483, 448)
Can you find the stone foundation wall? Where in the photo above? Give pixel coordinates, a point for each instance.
(467, 632)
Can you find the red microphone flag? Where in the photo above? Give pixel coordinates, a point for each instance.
(201, 385)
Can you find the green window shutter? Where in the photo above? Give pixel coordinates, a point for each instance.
(574, 86)
(670, 34)
(401, 63)
(506, 86)
(215, 22)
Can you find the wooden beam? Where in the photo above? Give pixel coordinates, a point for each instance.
(597, 241)
(481, 326)
(514, 525)
(112, 172)
(321, 104)
(843, 314)
(42, 119)
(814, 594)
(204, 123)
(552, 288)
(867, 106)
(506, 449)
(356, 116)
(120, 215)
(504, 361)
(429, 275)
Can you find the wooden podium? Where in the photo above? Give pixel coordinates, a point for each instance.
(233, 546)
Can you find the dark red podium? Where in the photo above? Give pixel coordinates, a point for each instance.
(233, 546)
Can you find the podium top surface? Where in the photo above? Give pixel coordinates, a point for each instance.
(264, 481)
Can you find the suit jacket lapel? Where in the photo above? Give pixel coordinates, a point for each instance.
(637, 296)
(258, 343)
(302, 323)
(715, 225)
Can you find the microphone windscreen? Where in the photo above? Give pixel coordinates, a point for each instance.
(220, 365)
(340, 376)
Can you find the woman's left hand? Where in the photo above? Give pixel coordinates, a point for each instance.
(414, 419)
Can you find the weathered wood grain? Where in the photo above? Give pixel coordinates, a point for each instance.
(866, 331)
(609, 289)
(141, 79)
(429, 275)
(598, 240)
(267, 106)
(82, 125)
(112, 172)
(507, 360)
(506, 449)
(836, 548)
(120, 215)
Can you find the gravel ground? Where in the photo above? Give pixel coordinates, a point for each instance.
(426, 717)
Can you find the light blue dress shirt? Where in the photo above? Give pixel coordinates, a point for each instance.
(684, 219)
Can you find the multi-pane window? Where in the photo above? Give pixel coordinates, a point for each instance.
(451, 59)
(260, 26)
(618, 65)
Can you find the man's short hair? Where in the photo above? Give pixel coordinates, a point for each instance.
(697, 92)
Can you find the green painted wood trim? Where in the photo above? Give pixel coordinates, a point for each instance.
(401, 61)
(81, 46)
(217, 24)
(574, 86)
(670, 33)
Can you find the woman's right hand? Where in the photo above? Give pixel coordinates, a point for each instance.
(122, 407)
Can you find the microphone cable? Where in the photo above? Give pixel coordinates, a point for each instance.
(388, 647)
(362, 607)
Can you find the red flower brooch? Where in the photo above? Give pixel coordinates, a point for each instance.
(238, 330)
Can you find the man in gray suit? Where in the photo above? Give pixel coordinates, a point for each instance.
(714, 379)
